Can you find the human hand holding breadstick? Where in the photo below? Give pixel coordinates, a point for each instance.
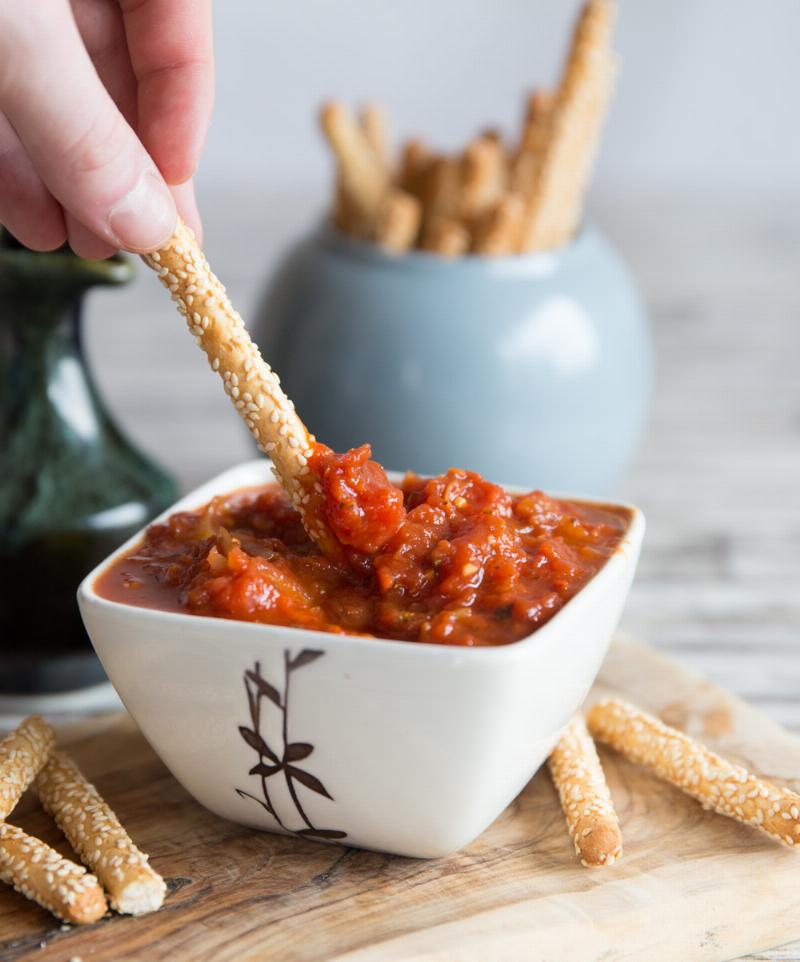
(578, 776)
(716, 783)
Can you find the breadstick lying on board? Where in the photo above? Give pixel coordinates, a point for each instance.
(94, 831)
(247, 378)
(41, 874)
(717, 784)
(22, 754)
(578, 776)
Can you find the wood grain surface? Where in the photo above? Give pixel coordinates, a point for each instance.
(685, 888)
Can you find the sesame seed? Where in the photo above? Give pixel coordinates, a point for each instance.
(713, 781)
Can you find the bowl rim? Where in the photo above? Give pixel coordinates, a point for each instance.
(534, 264)
(236, 630)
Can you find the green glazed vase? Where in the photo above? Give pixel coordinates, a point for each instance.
(72, 487)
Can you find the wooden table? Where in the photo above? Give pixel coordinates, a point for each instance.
(684, 889)
(720, 280)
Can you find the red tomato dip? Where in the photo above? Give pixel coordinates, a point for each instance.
(452, 560)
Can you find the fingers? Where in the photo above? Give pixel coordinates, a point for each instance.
(84, 242)
(27, 207)
(101, 28)
(187, 208)
(80, 144)
(171, 54)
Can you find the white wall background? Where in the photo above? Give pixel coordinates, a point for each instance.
(707, 97)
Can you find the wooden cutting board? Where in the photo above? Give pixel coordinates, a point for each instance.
(691, 886)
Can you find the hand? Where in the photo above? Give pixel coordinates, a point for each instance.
(103, 103)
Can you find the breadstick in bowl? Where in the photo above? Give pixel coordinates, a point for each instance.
(22, 754)
(41, 874)
(94, 831)
(717, 784)
(578, 776)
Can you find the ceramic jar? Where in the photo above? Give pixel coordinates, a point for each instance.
(533, 369)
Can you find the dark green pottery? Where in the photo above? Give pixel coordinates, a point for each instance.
(72, 487)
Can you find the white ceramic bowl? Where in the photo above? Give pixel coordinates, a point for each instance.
(398, 746)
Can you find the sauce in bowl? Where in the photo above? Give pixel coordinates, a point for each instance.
(451, 560)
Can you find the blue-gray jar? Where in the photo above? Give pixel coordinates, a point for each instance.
(533, 369)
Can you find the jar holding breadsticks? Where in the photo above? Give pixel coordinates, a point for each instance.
(460, 308)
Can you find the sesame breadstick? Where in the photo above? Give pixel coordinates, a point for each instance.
(482, 177)
(95, 833)
(398, 221)
(534, 137)
(493, 134)
(363, 174)
(442, 188)
(22, 754)
(415, 161)
(247, 378)
(498, 232)
(344, 216)
(555, 199)
(446, 237)
(41, 874)
(375, 124)
(345, 213)
(585, 798)
(717, 784)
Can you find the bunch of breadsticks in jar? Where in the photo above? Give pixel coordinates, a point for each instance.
(492, 199)
(671, 755)
(121, 875)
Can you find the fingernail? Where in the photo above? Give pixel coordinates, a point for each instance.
(145, 217)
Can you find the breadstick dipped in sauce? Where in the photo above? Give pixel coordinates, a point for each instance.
(452, 559)
(346, 502)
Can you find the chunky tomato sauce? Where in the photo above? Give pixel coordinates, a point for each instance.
(452, 559)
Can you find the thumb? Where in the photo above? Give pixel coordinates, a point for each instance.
(83, 149)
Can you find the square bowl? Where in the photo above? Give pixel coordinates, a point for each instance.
(404, 747)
